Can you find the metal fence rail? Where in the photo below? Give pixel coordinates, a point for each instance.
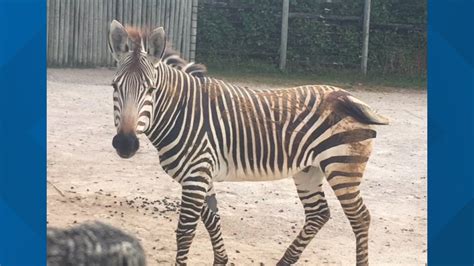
(77, 29)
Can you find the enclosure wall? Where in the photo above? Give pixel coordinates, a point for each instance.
(77, 29)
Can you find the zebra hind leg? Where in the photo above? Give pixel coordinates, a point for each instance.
(309, 187)
(344, 174)
(212, 222)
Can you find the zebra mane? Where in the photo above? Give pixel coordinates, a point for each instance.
(171, 57)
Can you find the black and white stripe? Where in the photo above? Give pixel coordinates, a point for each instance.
(93, 243)
(207, 130)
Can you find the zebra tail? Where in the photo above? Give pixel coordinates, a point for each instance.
(360, 111)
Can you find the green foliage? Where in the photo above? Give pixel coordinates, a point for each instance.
(238, 31)
(260, 71)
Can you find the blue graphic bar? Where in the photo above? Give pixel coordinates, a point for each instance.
(450, 133)
(22, 132)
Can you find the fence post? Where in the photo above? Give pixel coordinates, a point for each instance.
(194, 15)
(284, 33)
(365, 36)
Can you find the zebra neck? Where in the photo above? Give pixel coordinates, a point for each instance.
(172, 101)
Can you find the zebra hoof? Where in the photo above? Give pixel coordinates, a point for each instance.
(221, 262)
(282, 263)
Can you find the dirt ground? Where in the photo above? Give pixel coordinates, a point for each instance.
(88, 181)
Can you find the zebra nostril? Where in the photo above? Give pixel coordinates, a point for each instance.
(136, 143)
(115, 141)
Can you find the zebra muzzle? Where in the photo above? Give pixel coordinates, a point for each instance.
(126, 145)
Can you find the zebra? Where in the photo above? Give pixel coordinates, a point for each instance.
(93, 243)
(172, 58)
(207, 130)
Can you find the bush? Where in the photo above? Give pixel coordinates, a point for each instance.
(246, 30)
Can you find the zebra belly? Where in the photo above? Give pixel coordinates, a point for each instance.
(232, 174)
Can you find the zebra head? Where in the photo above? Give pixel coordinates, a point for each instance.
(134, 82)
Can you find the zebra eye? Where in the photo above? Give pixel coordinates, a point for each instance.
(151, 89)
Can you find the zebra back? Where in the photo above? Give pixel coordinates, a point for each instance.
(172, 57)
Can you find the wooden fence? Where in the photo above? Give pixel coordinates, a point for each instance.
(77, 29)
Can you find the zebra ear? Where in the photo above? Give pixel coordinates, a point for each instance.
(157, 45)
(118, 38)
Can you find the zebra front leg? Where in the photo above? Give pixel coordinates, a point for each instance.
(194, 189)
(212, 222)
(309, 187)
